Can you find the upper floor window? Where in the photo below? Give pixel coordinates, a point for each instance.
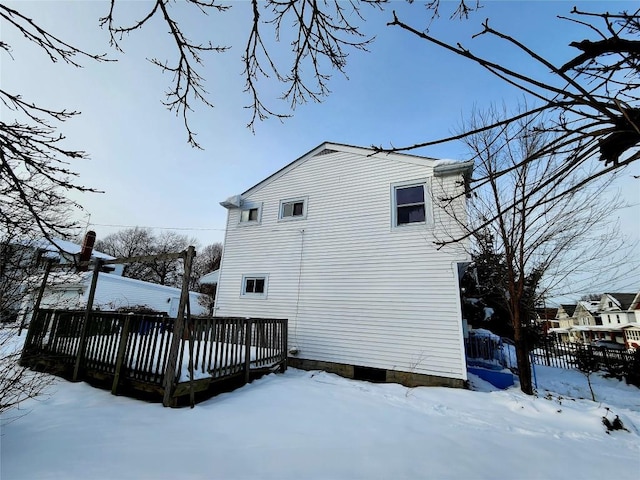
(250, 213)
(294, 208)
(410, 204)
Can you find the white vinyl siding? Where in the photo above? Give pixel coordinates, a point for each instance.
(355, 289)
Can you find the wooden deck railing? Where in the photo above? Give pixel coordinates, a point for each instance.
(132, 350)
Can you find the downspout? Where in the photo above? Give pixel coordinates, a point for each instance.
(295, 349)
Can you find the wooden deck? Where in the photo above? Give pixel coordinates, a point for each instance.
(129, 353)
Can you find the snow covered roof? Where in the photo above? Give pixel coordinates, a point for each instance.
(623, 300)
(72, 280)
(481, 332)
(590, 306)
(210, 278)
(58, 244)
(558, 330)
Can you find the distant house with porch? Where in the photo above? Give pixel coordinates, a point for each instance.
(621, 316)
(616, 308)
(615, 317)
(566, 322)
(586, 313)
(546, 317)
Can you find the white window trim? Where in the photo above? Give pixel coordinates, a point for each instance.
(245, 294)
(304, 200)
(428, 204)
(249, 206)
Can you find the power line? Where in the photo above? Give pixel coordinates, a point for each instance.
(158, 228)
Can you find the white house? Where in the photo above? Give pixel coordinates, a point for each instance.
(113, 292)
(24, 267)
(341, 242)
(615, 308)
(586, 312)
(566, 322)
(621, 315)
(615, 317)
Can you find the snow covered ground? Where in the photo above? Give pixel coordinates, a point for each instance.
(314, 425)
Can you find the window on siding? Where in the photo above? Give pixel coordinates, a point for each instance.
(296, 208)
(254, 285)
(250, 215)
(409, 204)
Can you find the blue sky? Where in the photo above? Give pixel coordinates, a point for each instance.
(404, 91)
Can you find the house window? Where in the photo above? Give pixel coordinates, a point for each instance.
(250, 213)
(254, 286)
(618, 318)
(293, 209)
(410, 204)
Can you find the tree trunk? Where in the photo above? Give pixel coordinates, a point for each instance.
(522, 354)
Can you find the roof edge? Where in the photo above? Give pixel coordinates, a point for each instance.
(444, 169)
(341, 147)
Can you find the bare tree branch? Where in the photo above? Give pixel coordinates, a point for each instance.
(188, 84)
(590, 103)
(323, 35)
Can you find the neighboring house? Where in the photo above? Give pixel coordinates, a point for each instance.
(70, 290)
(210, 278)
(586, 313)
(65, 252)
(632, 331)
(615, 308)
(341, 243)
(546, 317)
(621, 315)
(615, 317)
(566, 322)
(113, 292)
(565, 316)
(22, 267)
(208, 286)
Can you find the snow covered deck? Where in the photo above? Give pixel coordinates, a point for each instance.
(130, 352)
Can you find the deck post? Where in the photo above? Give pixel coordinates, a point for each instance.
(285, 344)
(122, 348)
(178, 329)
(247, 350)
(87, 316)
(36, 305)
(192, 398)
(34, 313)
